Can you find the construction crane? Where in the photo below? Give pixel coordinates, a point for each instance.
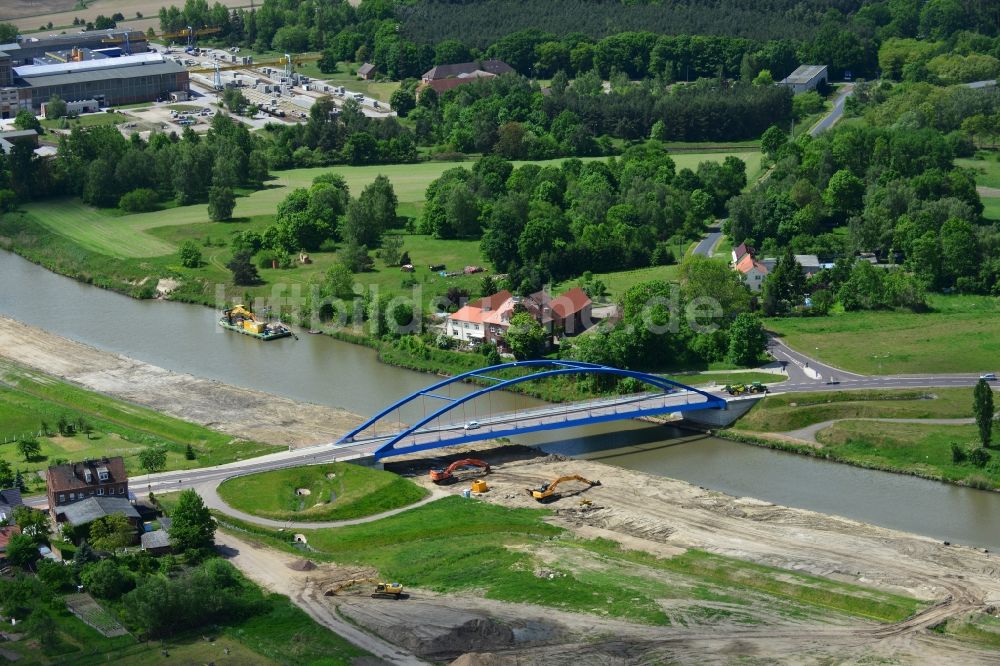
(381, 590)
(191, 34)
(447, 474)
(547, 491)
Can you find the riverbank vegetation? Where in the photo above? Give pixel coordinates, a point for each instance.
(457, 545)
(337, 491)
(862, 432)
(69, 423)
(792, 411)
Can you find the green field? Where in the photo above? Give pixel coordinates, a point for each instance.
(960, 334)
(337, 491)
(782, 413)
(86, 120)
(457, 545)
(380, 90)
(722, 378)
(127, 235)
(910, 448)
(27, 398)
(988, 170)
(991, 208)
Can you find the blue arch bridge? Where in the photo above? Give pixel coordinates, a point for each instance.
(446, 423)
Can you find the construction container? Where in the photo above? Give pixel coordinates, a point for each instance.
(254, 326)
(479, 486)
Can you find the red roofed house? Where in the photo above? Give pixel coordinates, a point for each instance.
(6, 532)
(467, 324)
(753, 271)
(488, 319)
(740, 250)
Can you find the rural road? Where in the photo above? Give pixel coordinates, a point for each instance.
(835, 114)
(708, 243)
(809, 433)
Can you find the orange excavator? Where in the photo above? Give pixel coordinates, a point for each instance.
(547, 492)
(448, 474)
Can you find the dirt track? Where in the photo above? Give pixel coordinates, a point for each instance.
(237, 411)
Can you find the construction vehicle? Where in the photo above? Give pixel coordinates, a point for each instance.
(382, 589)
(740, 389)
(547, 492)
(448, 474)
(240, 319)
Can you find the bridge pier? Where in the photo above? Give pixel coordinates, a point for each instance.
(721, 418)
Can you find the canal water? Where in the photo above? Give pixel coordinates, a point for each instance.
(319, 369)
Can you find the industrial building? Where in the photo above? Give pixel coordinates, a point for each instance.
(107, 66)
(805, 78)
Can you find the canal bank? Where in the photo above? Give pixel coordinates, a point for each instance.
(185, 340)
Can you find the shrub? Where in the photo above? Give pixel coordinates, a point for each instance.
(979, 456)
(138, 201)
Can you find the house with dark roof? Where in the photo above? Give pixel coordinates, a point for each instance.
(156, 542)
(74, 519)
(741, 250)
(456, 70)
(10, 499)
(76, 482)
(367, 71)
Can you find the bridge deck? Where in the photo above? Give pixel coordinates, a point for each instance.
(538, 419)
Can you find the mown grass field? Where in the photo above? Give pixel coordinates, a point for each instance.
(910, 448)
(960, 334)
(27, 398)
(86, 120)
(351, 492)
(782, 413)
(466, 546)
(987, 170)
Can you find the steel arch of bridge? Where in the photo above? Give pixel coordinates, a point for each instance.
(561, 367)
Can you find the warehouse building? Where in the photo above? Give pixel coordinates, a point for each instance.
(804, 78)
(110, 81)
(27, 50)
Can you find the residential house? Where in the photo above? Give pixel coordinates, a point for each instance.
(446, 77)
(810, 264)
(11, 137)
(740, 250)
(467, 324)
(75, 519)
(568, 313)
(367, 71)
(488, 319)
(75, 482)
(753, 271)
(10, 499)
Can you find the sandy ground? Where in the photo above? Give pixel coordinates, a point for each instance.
(237, 411)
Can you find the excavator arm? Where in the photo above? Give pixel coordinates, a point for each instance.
(548, 490)
(438, 475)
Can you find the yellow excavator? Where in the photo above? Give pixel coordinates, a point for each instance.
(547, 492)
(382, 589)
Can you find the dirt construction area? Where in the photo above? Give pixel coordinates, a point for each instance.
(252, 415)
(665, 517)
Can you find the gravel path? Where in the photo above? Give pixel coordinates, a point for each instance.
(808, 433)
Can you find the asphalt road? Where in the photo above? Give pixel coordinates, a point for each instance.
(838, 110)
(708, 243)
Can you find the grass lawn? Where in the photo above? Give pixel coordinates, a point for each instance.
(380, 90)
(991, 208)
(86, 120)
(723, 378)
(27, 398)
(988, 170)
(467, 546)
(975, 627)
(961, 334)
(619, 282)
(781, 413)
(913, 448)
(351, 492)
